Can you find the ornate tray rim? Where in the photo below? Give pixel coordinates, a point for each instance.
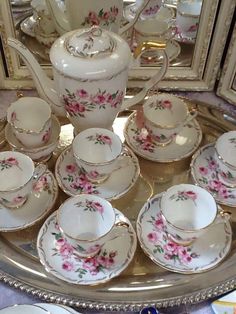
(190, 298)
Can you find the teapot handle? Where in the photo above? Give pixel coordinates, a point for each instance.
(125, 28)
(154, 79)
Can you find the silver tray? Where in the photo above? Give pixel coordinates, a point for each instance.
(143, 283)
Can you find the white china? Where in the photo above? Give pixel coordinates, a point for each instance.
(55, 308)
(39, 204)
(73, 181)
(59, 259)
(205, 172)
(87, 222)
(45, 25)
(182, 146)
(225, 304)
(225, 153)
(172, 49)
(151, 9)
(20, 2)
(27, 26)
(17, 177)
(189, 220)
(38, 154)
(164, 13)
(30, 119)
(203, 254)
(24, 309)
(88, 86)
(98, 152)
(187, 17)
(164, 117)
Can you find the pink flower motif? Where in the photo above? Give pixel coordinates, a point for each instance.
(71, 168)
(66, 250)
(60, 242)
(94, 248)
(171, 247)
(203, 170)
(212, 165)
(215, 185)
(193, 28)
(91, 264)
(18, 199)
(68, 266)
(190, 194)
(98, 207)
(167, 104)
(106, 139)
(167, 256)
(99, 99)
(93, 174)
(12, 161)
(114, 11)
(46, 136)
(223, 192)
(40, 184)
(159, 225)
(106, 16)
(13, 116)
(152, 237)
(81, 93)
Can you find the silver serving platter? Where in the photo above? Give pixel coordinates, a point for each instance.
(143, 283)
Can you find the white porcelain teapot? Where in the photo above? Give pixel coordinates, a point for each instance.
(73, 14)
(90, 69)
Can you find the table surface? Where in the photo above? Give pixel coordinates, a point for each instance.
(10, 296)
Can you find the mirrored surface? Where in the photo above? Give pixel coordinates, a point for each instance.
(175, 22)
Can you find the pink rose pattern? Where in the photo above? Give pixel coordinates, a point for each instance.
(42, 185)
(161, 105)
(102, 18)
(209, 177)
(46, 136)
(104, 260)
(78, 180)
(158, 237)
(80, 102)
(91, 206)
(151, 10)
(14, 117)
(184, 196)
(193, 28)
(9, 163)
(100, 139)
(144, 140)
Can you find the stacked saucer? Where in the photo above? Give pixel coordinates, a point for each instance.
(31, 128)
(38, 308)
(188, 240)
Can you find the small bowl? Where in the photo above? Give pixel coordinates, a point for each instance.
(39, 154)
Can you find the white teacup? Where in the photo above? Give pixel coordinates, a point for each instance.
(30, 118)
(17, 177)
(86, 222)
(225, 154)
(164, 117)
(187, 17)
(188, 211)
(98, 152)
(151, 9)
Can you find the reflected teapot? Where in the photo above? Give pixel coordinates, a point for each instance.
(90, 70)
(73, 14)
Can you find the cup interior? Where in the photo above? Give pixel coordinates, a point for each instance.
(97, 145)
(188, 207)
(16, 170)
(165, 110)
(86, 217)
(152, 27)
(226, 148)
(29, 114)
(189, 8)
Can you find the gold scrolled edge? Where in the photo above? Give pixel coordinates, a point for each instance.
(148, 45)
(194, 298)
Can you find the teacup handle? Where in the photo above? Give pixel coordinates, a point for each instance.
(154, 79)
(121, 163)
(40, 169)
(192, 114)
(222, 216)
(119, 223)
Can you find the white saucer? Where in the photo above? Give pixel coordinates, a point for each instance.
(183, 145)
(204, 254)
(163, 14)
(184, 39)
(27, 26)
(172, 49)
(225, 304)
(58, 257)
(56, 308)
(38, 205)
(204, 170)
(24, 309)
(73, 181)
(39, 154)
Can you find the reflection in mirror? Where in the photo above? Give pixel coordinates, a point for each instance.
(39, 22)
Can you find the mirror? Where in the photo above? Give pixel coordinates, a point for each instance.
(30, 24)
(194, 60)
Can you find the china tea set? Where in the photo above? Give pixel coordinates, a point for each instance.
(86, 240)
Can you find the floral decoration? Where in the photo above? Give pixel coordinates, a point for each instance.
(161, 105)
(193, 28)
(13, 117)
(42, 185)
(232, 140)
(151, 10)
(46, 136)
(91, 206)
(144, 140)
(71, 262)
(184, 196)
(158, 237)
(102, 18)
(100, 139)
(9, 163)
(79, 102)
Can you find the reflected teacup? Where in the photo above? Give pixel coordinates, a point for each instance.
(98, 152)
(30, 119)
(151, 9)
(225, 153)
(87, 222)
(17, 177)
(188, 211)
(164, 117)
(187, 18)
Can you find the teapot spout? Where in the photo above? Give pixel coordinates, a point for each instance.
(57, 9)
(44, 85)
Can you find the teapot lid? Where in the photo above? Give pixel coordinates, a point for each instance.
(90, 54)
